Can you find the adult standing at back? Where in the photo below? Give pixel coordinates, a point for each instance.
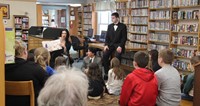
(115, 41)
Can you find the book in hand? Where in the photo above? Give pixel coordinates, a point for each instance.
(53, 45)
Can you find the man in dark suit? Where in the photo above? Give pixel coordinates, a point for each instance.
(115, 41)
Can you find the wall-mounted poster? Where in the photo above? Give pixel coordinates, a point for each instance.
(6, 10)
(10, 43)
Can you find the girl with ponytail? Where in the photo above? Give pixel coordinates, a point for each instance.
(115, 77)
(42, 57)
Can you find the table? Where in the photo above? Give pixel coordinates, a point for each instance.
(101, 46)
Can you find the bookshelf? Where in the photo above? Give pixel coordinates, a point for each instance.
(21, 25)
(80, 21)
(184, 32)
(89, 19)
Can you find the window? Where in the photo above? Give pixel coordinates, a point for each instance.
(104, 19)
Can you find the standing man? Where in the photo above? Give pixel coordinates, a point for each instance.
(115, 41)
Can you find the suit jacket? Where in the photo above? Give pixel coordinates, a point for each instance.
(86, 62)
(116, 38)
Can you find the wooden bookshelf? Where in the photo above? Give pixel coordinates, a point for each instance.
(21, 25)
(89, 19)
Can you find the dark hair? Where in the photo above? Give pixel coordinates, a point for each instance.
(67, 32)
(60, 61)
(115, 14)
(119, 73)
(167, 56)
(94, 72)
(93, 50)
(141, 58)
(31, 55)
(154, 55)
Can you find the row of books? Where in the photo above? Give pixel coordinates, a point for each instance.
(139, 12)
(184, 52)
(135, 45)
(123, 12)
(185, 14)
(87, 8)
(139, 3)
(87, 21)
(182, 65)
(18, 32)
(157, 47)
(121, 5)
(185, 27)
(159, 37)
(160, 15)
(159, 26)
(185, 40)
(86, 27)
(137, 38)
(138, 29)
(87, 15)
(138, 20)
(18, 20)
(177, 3)
(160, 3)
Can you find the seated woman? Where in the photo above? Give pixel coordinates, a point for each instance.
(96, 82)
(65, 42)
(68, 87)
(42, 57)
(189, 84)
(23, 70)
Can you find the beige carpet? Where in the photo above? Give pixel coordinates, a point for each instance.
(107, 100)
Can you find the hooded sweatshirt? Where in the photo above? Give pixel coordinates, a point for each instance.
(139, 89)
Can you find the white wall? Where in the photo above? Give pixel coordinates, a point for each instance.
(19, 8)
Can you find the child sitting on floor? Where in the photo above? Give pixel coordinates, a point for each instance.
(115, 77)
(96, 82)
(60, 61)
(140, 87)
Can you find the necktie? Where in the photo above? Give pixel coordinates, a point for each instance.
(90, 61)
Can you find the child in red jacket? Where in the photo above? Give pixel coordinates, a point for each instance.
(140, 87)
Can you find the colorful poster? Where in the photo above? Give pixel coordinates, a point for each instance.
(10, 43)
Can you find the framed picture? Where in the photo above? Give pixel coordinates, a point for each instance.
(6, 10)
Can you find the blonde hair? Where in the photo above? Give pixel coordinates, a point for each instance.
(68, 87)
(42, 57)
(59, 61)
(20, 47)
(115, 65)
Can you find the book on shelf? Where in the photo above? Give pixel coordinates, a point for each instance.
(160, 14)
(185, 27)
(185, 15)
(87, 21)
(159, 26)
(139, 12)
(178, 3)
(87, 15)
(122, 5)
(24, 36)
(18, 32)
(185, 40)
(18, 20)
(184, 52)
(86, 27)
(181, 65)
(139, 3)
(160, 4)
(87, 8)
(159, 37)
(137, 38)
(135, 45)
(157, 47)
(123, 12)
(138, 20)
(138, 29)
